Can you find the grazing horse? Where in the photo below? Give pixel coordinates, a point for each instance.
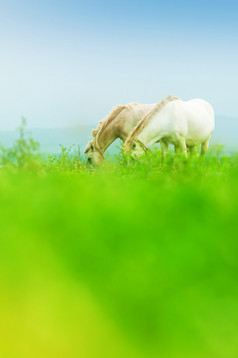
(186, 124)
(118, 124)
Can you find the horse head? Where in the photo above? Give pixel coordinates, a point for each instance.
(137, 149)
(94, 154)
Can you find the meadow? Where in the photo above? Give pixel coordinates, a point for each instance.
(132, 259)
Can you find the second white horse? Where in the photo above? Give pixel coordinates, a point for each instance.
(186, 124)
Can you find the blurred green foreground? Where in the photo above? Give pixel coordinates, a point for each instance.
(131, 260)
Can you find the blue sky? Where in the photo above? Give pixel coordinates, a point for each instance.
(65, 63)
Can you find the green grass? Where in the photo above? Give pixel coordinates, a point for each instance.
(133, 259)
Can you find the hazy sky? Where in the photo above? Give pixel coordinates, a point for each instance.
(64, 63)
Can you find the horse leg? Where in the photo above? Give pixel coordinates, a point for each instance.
(204, 146)
(164, 148)
(180, 147)
(193, 151)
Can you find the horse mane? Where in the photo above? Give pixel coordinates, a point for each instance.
(109, 118)
(145, 120)
(105, 121)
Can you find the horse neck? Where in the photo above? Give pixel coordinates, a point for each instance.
(149, 134)
(107, 137)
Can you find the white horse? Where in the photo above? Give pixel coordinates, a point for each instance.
(118, 124)
(186, 124)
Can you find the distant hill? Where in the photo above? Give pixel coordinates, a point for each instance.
(50, 139)
(226, 133)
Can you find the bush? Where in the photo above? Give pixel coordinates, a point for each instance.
(69, 160)
(24, 153)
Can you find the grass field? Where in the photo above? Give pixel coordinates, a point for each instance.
(130, 260)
